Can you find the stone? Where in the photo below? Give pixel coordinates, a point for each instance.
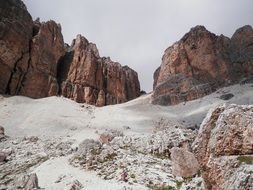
(87, 78)
(226, 96)
(184, 163)
(108, 136)
(47, 47)
(76, 185)
(224, 147)
(200, 63)
(28, 182)
(32, 182)
(1, 130)
(2, 156)
(7, 151)
(35, 62)
(101, 99)
(16, 30)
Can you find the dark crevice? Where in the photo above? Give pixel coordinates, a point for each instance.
(28, 68)
(63, 67)
(14, 70)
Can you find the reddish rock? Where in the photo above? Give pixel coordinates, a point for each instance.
(241, 51)
(16, 30)
(86, 77)
(202, 62)
(47, 47)
(224, 148)
(34, 62)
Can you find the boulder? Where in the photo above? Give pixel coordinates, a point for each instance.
(200, 63)
(2, 156)
(76, 185)
(2, 131)
(224, 148)
(226, 96)
(184, 163)
(27, 182)
(108, 136)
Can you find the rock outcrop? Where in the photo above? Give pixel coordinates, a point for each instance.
(47, 47)
(34, 62)
(29, 52)
(224, 148)
(28, 182)
(86, 77)
(200, 63)
(184, 163)
(16, 30)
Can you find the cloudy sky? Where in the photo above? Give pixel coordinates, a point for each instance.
(136, 32)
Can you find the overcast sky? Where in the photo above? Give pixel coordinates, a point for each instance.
(136, 32)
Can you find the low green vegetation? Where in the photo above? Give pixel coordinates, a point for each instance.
(164, 187)
(179, 184)
(245, 159)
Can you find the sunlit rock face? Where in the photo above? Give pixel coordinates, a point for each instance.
(35, 62)
(200, 63)
(86, 77)
(224, 148)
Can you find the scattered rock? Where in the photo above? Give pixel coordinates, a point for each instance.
(31, 139)
(126, 127)
(184, 163)
(145, 158)
(60, 178)
(26, 154)
(76, 185)
(108, 136)
(226, 96)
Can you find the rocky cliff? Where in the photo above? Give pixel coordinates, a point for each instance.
(224, 148)
(34, 62)
(86, 77)
(200, 63)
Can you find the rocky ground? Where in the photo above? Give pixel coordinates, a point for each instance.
(55, 143)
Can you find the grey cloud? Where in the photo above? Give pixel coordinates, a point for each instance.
(136, 32)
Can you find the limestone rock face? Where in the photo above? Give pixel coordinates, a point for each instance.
(184, 163)
(224, 148)
(86, 77)
(16, 30)
(200, 63)
(29, 52)
(47, 47)
(34, 62)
